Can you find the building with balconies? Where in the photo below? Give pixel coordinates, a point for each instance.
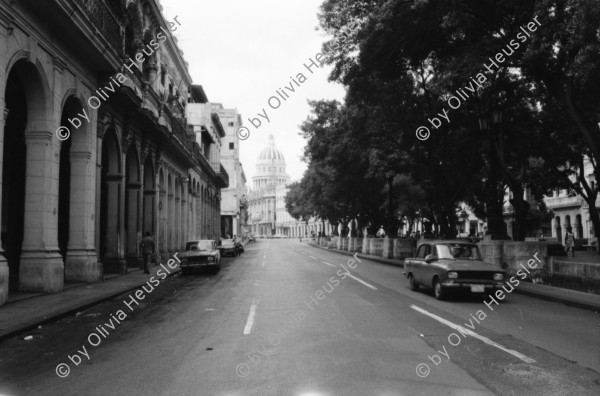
(95, 141)
(234, 200)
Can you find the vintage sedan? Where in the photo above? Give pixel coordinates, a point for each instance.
(200, 254)
(452, 265)
(228, 248)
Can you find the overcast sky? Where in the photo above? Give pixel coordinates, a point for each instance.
(242, 51)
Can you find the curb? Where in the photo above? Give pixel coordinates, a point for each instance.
(53, 316)
(577, 301)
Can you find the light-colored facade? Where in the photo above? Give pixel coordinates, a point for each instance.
(233, 202)
(75, 208)
(573, 211)
(267, 212)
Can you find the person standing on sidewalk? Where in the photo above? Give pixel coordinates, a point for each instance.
(147, 247)
(570, 241)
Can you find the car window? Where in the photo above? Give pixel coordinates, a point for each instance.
(462, 251)
(423, 251)
(227, 242)
(205, 245)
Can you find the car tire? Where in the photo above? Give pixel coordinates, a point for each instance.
(414, 286)
(438, 290)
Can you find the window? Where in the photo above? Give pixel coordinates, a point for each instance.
(231, 146)
(423, 251)
(230, 123)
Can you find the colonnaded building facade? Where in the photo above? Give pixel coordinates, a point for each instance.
(110, 73)
(266, 200)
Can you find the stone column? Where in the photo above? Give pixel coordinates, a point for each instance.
(81, 264)
(4, 273)
(41, 266)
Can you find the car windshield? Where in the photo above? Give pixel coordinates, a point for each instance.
(227, 242)
(199, 245)
(461, 251)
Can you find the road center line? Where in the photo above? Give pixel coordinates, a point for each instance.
(474, 335)
(250, 321)
(329, 264)
(361, 281)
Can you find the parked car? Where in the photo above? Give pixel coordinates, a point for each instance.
(228, 248)
(452, 265)
(200, 254)
(251, 238)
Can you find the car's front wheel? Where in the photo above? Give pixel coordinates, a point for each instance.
(438, 290)
(414, 286)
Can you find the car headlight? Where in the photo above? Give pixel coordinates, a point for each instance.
(211, 258)
(452, 275)
(498, 277)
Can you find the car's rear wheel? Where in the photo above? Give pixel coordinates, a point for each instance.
(438, 290)
(414, 286)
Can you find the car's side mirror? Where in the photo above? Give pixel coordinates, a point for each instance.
(429, 258)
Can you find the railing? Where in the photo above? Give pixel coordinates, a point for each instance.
(105, 21)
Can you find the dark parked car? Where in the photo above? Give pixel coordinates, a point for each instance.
(452, 265)
(228, 248)
(200, 254)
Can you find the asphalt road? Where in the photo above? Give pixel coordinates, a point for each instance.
(286, 318)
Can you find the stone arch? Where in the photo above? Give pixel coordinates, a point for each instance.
(133, 190)
(162, 209)
(578, 226)
(26, 137)
(171, 210)
(149, 197)
(558, 229)
(110, 202)
(177, 211)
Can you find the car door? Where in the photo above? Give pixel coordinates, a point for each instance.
(421, 267)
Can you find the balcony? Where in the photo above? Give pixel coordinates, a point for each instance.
(563, 202)
(105, 21)
(223, 177)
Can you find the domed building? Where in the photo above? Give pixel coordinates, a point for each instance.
(270, 167)
(266, 203)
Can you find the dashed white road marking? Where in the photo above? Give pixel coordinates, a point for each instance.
(314, 258)
(474, 335)
(329, 264)
(361, 281)
(250, 321)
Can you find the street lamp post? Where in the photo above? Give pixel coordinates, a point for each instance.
(496, 228)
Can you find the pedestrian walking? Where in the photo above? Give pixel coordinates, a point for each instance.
(147, 247)
(570, 241)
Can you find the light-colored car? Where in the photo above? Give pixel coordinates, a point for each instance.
(200, 254)
(452, 265)
(228, 248)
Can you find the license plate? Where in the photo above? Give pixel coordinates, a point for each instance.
(477, 288)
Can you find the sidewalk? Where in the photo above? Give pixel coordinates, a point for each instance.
(549, 293)
(24, 313)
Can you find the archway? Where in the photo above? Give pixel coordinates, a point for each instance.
(110, 203)
(13, 174)
(149, 197)
(132, 198)
(558, 229)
